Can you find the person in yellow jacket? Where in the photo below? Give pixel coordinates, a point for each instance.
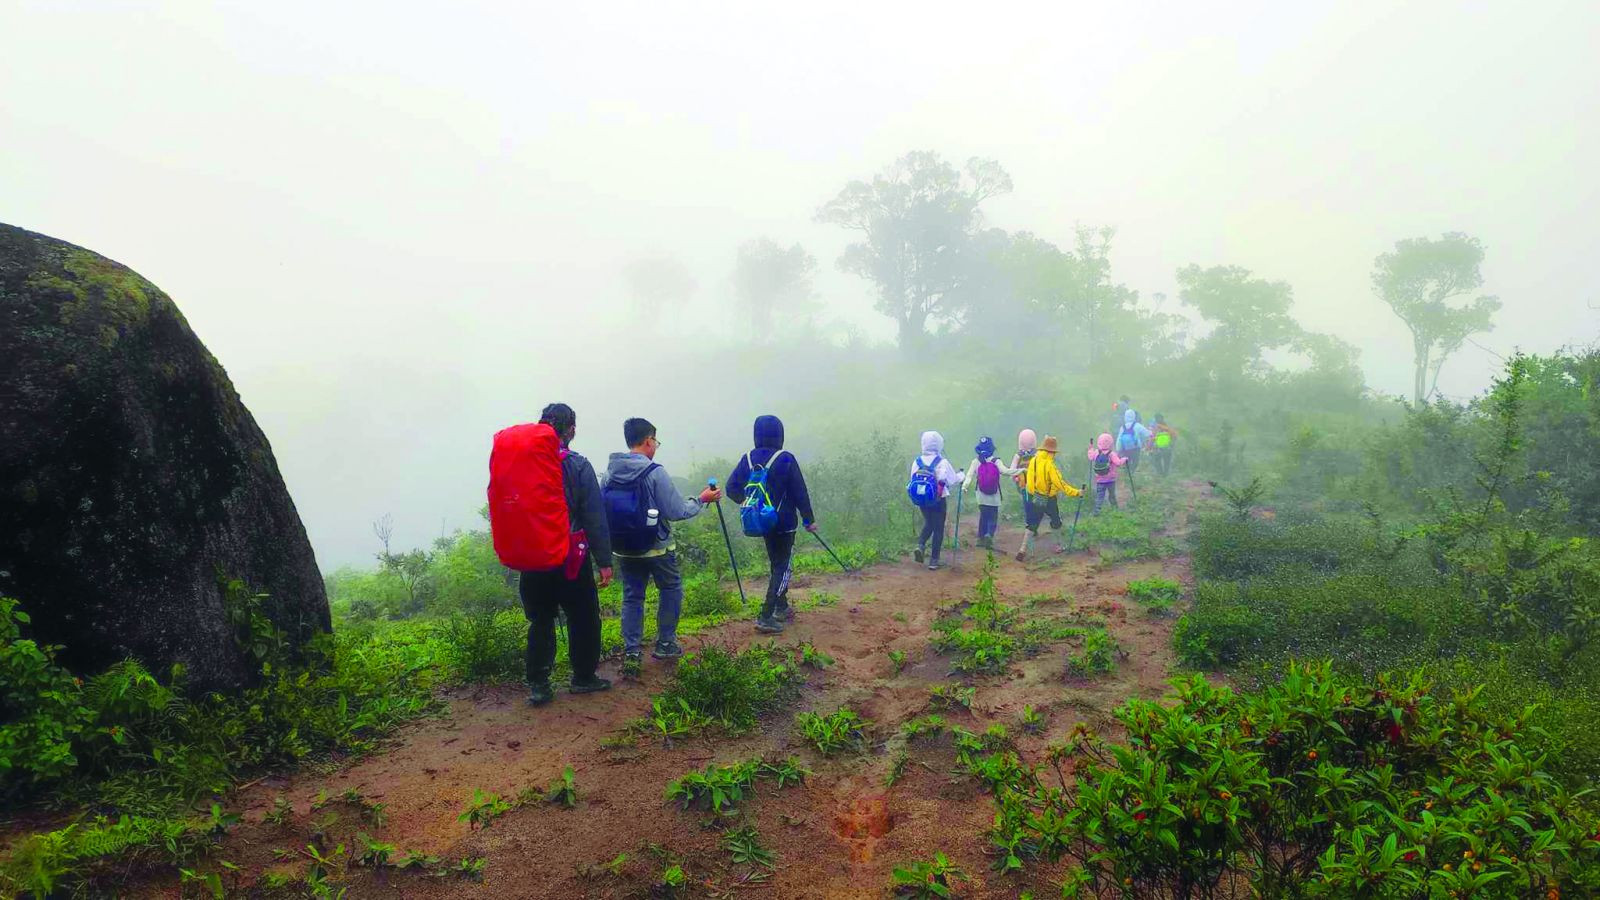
(1045, 485)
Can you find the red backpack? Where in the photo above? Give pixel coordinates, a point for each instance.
(527, 504)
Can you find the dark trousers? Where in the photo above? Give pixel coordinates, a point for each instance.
(1044, 508)
(780, 554)
(1133, 459)
(988, 520)
(933, 526)
(543, 594)
(1162, 459)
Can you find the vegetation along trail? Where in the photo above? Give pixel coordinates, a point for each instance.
(840, 833)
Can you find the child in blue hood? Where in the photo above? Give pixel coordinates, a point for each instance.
(1132, 438)
(787, 488)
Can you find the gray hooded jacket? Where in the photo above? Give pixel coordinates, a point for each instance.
(663, 496)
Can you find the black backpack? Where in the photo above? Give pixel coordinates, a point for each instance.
(628, 513)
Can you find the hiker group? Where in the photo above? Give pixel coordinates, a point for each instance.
(566, 531)
(1037, 476)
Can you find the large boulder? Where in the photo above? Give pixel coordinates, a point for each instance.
(133, 483)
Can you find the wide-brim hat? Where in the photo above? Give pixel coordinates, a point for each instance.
(1049, 445)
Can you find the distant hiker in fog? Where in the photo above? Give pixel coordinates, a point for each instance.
(1104, 464)
(1161, 445)
(986, 473)
(548, 523)
(1027, 445)
(932, 477)
(1046, 486)
(1132, 438)
(774, 503)
(640, 501)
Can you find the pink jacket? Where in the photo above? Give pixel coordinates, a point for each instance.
(1104, 444)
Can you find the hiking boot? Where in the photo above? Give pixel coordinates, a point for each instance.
(917, 554)
(666, 650)
(590, 685)
(1022, 555)
(632, 664)
(784, 613)
(935, 565)
(769, 625)
(540, 694)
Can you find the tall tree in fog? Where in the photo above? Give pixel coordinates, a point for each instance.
(917, 221)
(655, 285)
(1424, 281)
(773, 285)
(1070, 301)
(1249, 316)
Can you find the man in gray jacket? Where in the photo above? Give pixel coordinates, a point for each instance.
(642, 501)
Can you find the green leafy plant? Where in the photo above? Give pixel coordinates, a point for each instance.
(718, 789)
(813, 658)
(842, 729)
(281, 813)
(563, 791)
(483, 809)
(950, 696)
(470, 867)
(744, 847)
(897, 661)
(1032, 719)
(923, 879)
(1098, 656)
(374, 854)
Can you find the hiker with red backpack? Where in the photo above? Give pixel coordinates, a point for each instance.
(986, 472)
(932, 477)
(1104, 462)
(640, 501)
(774, 503)
(547, 522)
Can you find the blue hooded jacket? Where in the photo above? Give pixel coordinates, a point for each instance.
(784, 481)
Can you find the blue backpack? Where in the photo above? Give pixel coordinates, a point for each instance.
(628, 513)
(758, 514)
(1129, 439)
(923, 489)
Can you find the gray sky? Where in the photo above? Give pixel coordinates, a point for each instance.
(374, 213)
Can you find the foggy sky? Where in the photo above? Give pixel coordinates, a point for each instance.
(390, 221)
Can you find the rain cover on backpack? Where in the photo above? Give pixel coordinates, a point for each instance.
(528, 518)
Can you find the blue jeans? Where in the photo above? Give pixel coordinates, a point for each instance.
(636, 575)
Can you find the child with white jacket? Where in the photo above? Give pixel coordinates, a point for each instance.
(947, 477)
(986, 471)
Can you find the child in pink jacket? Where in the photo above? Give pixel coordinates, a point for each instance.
(1105, 463)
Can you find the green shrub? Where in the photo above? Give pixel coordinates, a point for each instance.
(839, 730)
(730, 689)
(1155, 594)
(485, 647)
(1318, 785)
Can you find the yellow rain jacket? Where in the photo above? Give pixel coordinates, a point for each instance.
(1044, 478)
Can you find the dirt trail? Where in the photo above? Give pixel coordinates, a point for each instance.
(839, 835)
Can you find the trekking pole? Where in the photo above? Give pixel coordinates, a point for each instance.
(1083, 491)
(1132, 487)
(835, 556)
(712, 483)
(955, 539)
